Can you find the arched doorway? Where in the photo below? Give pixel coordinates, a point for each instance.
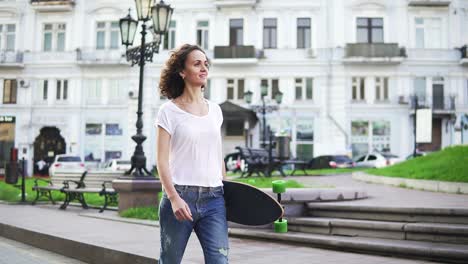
(48, 144)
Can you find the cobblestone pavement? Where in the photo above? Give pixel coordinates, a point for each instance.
(12, 252)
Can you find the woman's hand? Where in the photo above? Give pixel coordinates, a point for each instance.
(181, 209)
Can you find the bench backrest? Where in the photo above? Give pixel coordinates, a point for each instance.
(94, 179)
(59, 178)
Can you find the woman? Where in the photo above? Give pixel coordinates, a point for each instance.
(190, 163)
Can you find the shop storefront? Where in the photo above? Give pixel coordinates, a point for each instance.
(7, 139)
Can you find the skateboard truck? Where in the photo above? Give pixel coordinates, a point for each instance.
(279, 187)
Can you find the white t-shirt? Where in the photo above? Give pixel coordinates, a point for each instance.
(195, 155)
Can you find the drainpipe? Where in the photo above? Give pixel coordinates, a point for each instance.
(330, 73)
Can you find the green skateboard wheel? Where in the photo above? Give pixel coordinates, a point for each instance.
(279, 186)
(281, 227)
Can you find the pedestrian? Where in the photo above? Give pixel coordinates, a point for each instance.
(189, 160)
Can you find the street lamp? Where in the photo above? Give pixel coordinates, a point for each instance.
(416, 106)
(161, 15)
(264, 109)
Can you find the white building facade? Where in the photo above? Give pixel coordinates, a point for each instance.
(349, 71)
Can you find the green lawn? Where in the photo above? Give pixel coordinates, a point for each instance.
(264, 182)
(324, 171)
(450, 164)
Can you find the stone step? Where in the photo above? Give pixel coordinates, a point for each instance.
(416, 249)
(397, 214)
(433, 232)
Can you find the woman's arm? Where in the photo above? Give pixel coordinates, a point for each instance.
(179, 206)
(224, 171)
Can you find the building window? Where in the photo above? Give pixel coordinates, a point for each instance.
(235, 89)
(304, 88)
(7, 37)
(272, 87)
(303, 33)
(9, 91)
(93, 89)
(202, 34)
(117, 91)
(358, 89)
(107, 35)
(269, 33)
(45, 88)
(169, 37)
(236, 32)
(207, 89)
(62, 90)
(370, 30)
(381, 88)
(420, 89)
(54, 37)
(370, 136)
(428, 33)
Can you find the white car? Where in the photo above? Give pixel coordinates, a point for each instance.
(118, 165)
(377, 160)
(64, 163)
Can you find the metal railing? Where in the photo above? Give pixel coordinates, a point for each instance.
(436, 103)
(429, 2)
(11, 57)
(374, 50)
(235, 52)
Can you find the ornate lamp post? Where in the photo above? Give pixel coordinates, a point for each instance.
(264, 108)
(161, 15)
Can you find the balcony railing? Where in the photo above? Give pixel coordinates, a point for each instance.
(44, 57)
(100, 57)
(429, 2)
(437, 103)
(234, 52)
(374, 50)
(53, 5)
(386, 53)
(11, 59)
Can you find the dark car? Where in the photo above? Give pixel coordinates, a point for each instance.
(331, 161)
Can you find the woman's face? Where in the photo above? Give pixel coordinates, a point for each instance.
(196, 69)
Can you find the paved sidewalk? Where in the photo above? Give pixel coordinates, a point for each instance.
(12, 252)
(384, 195)
(143, 240)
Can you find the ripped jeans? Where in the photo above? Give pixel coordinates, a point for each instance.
(209, 222)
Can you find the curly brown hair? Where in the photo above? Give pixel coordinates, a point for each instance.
(171, 83)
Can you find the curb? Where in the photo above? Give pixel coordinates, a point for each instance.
(88, 253)
(426, 185)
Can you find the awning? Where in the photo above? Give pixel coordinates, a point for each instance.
(233, 111)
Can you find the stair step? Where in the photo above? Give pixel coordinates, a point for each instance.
(436, 232)
(397, 214)
(418, 249)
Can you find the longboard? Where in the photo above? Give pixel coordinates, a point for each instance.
(248, 205)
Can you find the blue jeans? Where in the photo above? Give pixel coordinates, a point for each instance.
(209, 222)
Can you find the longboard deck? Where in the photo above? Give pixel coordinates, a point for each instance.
(248, 205)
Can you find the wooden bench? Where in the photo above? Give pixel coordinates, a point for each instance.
(56, 183)
(257, 161)
(99, 182)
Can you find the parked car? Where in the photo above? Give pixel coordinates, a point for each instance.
(331, 161)
(418, 154)
(377, 160)
(118, 165)
(64, 163)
